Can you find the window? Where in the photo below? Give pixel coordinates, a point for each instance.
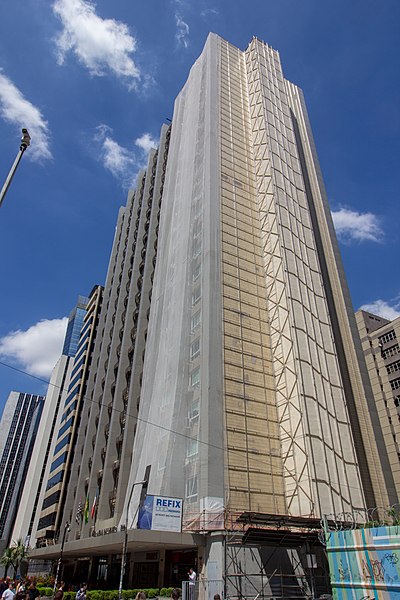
(47, 521)
(61, 459)
(392, 351)
(65, 427)
(63, 443)
(196, 320)
(195, 378)
(191, 487)
(194, 409)
(393, 367)
(196, 295)
(54, 480)
(387, 337)
(195, 349)
(196, 271)
(192, 447)
(52, 499)
(395, 384)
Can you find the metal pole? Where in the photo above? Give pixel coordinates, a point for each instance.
(125, 542)
(66, 528)
(25, 141)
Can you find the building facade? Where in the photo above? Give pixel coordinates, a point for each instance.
(19, 426)
(380, 342)
(33, 492)
(63, 447)
(241, 387)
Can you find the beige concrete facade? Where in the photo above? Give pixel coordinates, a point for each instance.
(380, 342)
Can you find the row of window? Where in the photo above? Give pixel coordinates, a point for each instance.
(387, 337)
(395, 384)
(393, 367)
(392, 351)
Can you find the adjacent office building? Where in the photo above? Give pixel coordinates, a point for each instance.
(19, 426)
(380, 341)
(64, 443)
(228, 369)
(32, 496)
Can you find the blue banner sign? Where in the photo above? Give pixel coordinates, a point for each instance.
(161, 513)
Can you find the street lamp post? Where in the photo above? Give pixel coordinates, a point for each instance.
(66, 528)
(125, 543)
(25, 142)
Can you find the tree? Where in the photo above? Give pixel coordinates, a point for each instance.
(7, 560)
(13, 556)
(20, 552)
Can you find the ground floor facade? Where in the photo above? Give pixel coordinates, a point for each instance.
(253, 562)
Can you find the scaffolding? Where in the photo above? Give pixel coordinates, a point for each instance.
(267, 556)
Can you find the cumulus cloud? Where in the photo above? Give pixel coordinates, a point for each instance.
(182, 31)
(354, 226)
(120, 161)
(17, 110)
(146, 142)
(124, 164)
(101, 45)
(387, 310)
(37, 349)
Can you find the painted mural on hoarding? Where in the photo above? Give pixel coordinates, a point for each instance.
(365, 563)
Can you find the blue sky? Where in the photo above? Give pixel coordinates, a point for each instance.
(94, 81)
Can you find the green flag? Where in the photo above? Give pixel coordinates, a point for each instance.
(86, 514)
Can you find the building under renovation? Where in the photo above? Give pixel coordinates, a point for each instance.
(227, 371)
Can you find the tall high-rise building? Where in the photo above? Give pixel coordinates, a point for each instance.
(63, 449)
(380, 341)
(242, 384)
(32, 496)
(19, 424)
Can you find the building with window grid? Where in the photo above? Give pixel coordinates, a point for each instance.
(242, 384)
(380, 339)
(19, 424)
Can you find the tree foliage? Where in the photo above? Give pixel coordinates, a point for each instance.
(13, 556)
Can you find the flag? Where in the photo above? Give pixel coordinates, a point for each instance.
(79, 512)
(86, 515)
(92, 512)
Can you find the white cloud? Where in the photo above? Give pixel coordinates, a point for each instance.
(209, 11)
(124, 164)
(38, 348)
(182, 31)
(120, 161)
(146, 142)
(101, 45)
(354, 226)
(17, 110)
(383, 309)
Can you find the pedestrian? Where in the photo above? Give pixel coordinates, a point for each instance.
(4, 585)
(192, 583)
(81, 593)
(59, 595)
(175, 594)
(217, 597)
(33, 591)
(20, 591)
(8, 594)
